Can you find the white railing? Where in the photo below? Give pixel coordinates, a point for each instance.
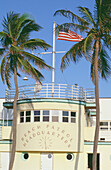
(49, 90)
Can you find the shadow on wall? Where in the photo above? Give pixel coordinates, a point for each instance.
(11, 134)
(79, 139)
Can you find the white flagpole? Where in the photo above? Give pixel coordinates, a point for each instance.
(53, 61)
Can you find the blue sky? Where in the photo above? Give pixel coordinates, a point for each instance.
(43, 11)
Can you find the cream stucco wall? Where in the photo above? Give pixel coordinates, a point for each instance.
(49, 137)
(60, 162)
(105, 155)
(66, 141)
(6, 132)
(89, 133)
(32, 163)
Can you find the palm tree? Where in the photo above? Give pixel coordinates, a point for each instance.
(16, 43)
(97, 29)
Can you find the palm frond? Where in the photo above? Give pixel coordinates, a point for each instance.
(104, 64)
(2, 51)
(74, 54)
(72, 16)
(86, 14)
(72, 26)
(26, 67)
(2, 69)
(26, 28)
(35, 44)
(35, 60)
(8, 74)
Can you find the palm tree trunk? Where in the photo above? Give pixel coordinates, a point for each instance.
(97, 107)
(14, 121)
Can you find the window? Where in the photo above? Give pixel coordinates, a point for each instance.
(73, 117)
(45, 115)
(48, 116)
(28, 116)
(70, 156)
(90, 157)
(65, 116)
(21, 117)
(37, 116)
(104, 125)
(24, 156)
(55, 116)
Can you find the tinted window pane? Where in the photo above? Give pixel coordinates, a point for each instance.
(27, 119)
(73, 114)
(37, 112)
(65, 119)
(65, 113)
(54, 118)
(28, 113)
(46, 118)
(10, 123)
(103, 123)
(46, 112)
(102, 128)
(21, 119)
(36, 119)
(21, 113)
(73, 120)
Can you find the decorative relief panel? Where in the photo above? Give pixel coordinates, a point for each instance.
(47, 137)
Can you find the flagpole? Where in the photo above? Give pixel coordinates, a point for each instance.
(53, 61)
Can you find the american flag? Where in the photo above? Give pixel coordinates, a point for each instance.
(69, 36)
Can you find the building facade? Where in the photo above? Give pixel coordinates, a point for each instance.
(55, 129)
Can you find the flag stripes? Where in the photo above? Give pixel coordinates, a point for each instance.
(69, 36)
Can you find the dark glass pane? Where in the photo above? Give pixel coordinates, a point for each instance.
(54, 118)
(46, 112)
(26, 155)
(90, 157)
(5, 122)
(37, 112)
(102, 128)
(73, 114)
(36, 119)
(10, 123)
(28, 113)
(65, 119)
(1, 122)
(69, 156)
(21, 113)
(65, 113)
(103, 123)
(73, 120)
(27, 119)
(21, 119)
(46, 118)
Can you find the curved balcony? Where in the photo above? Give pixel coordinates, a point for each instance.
(49, 90)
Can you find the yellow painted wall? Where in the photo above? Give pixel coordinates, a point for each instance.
(105, 155)
(6, 132)
(5, 147)
(36, 140)
(49, 137)
(32, 163)
(59, 162)
(89, 133)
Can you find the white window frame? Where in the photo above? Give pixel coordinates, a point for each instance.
(60, 116)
